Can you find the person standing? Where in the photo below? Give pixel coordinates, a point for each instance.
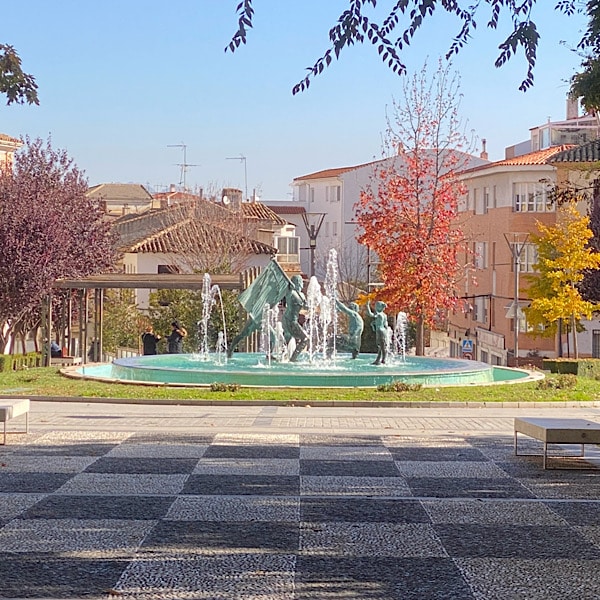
(175, 338)
(149, 341)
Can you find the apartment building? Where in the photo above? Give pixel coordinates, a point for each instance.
(504, 202)
(330, 197)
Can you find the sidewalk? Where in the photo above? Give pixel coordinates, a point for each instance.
(288, 503)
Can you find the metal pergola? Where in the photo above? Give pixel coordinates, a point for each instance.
(99, 283)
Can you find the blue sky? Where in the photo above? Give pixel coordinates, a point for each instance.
(122, 80)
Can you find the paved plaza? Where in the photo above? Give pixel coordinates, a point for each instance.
(130, 501)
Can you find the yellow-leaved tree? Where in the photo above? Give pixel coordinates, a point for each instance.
(564, 254)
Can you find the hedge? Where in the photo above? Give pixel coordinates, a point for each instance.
(17, 362)
(584, 367)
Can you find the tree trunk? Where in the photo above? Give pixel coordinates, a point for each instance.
(420, 343)
(560, 346)
(574, 329)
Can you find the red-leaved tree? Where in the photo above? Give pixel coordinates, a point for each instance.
(49, 229)
(409, 213)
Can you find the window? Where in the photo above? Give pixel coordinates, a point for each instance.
(528, 257)
(303, 191)
(333, 193)
(481, 255)
(172, 269)
(545, 138)
(486, 199)
(531, 197)
(334, 228)
(312, 194)
(481, 309)
(287, 249)
(475, 207)
(596, 343)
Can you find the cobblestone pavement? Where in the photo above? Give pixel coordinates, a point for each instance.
(177, 502)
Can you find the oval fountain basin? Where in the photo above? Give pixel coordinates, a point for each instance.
(251, 369)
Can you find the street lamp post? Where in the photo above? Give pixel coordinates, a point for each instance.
(313, 232)
(516, 248)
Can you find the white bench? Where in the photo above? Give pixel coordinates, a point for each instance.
(65, 361)
(557, 431)
(11, 408)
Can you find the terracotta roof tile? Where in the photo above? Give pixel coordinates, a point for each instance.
(327, 173)
(171, 239)
(119, 192)
(589, 152)
(287, 210)
(7, 138)
(540, 157)
(258, 210)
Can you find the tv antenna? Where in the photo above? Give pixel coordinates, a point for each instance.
(183, 165)
(242, 158)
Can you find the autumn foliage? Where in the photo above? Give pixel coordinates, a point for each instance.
(408, 215)
(49, 229)
(564, 255)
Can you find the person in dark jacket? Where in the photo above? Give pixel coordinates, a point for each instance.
(149, 341)
(175, 338)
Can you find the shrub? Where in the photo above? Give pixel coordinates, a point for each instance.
(399, 386)
(566, 381)
(224, 387)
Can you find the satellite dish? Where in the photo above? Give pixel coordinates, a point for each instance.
(225, 200)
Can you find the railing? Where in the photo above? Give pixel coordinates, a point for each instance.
(120, 352)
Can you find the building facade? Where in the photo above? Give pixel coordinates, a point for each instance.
(505, 201)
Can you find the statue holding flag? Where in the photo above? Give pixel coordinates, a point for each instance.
(269, 288)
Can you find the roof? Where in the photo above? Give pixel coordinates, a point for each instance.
(176, 195)
(120, 192)
(330, 173)
(327, 173)
(132, 227)
(589, 152)
(191, 232)
(293, 209)
(258, 210)
(7, 138)
(540, 157)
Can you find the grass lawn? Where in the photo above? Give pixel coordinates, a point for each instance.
(49, 382)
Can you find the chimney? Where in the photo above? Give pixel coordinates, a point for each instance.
(572, 108)
(172, 188)
(484, 153)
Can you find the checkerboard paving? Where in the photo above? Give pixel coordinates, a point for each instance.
(292, 517)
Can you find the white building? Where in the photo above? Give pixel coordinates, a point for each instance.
(332, 194)
(200, 237)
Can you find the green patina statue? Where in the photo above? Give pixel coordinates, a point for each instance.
(295, 301)
(269, 288)
(355, 325)
(380, 327)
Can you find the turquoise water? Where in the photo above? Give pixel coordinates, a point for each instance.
(251, 370)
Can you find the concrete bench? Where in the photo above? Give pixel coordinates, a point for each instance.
(11, 408)
(557, 431)
(65, 361)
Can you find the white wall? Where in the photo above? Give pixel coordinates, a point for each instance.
(146, 262)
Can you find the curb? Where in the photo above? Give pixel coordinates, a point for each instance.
(308, 403)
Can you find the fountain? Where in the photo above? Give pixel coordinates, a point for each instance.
(295, 356)
(209, 299)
